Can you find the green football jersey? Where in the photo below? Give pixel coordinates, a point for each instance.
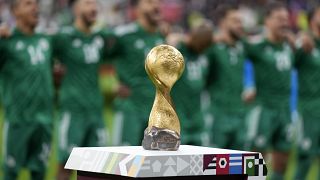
(82, 55)
(130, 46)
(26, 77)
(226, 75)
(308, 66)
(272, 65)
(186, 93)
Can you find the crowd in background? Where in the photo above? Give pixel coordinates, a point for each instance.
(179, 13)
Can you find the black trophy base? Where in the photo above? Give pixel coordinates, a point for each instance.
(160, 139)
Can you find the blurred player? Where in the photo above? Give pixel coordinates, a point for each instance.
(308, 66)
(80, 101)
(27, 87)
(272, 58)
(129, 47)
(225, 82)
(187, 91)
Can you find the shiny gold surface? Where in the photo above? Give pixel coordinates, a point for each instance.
(164, 65)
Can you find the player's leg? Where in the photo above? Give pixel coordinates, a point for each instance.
(307, 146)
(9, 173)
(191, 127)
(197, 138)
(117, 129)
(39, 150)
(184, 133)
(70, 134)
(282, 144)
(15, 143)
(259, 127)
(219, 133)
(125, 124)
(263, 127)
(96, 135)
(240, 131)
(131, 129)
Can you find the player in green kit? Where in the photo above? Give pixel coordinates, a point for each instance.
(27, 94)
(187, 91)
(225, 82)
(81, 51)
(308, 66)
(272, 58)
(129, 47)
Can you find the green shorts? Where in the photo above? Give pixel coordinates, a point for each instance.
(26, 145)
(129, 123)
(192, 128)
(79, 130)
(269, 128)
(309, 141)
(228, 129)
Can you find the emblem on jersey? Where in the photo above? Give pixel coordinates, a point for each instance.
(239, 47)
(203, 61)
(195, 68)
(36, 54)
(91, 53)
(139, 44)
(20, 45)
(282, 61)
(44, 44)
(98, 41)
(233, 56)
(76, 43)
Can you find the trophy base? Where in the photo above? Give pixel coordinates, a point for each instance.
(160, 139)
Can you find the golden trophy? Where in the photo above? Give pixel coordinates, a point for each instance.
(164, 65)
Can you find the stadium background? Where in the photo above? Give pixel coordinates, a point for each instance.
(180, 14)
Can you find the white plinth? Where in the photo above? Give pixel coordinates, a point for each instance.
(134, 161)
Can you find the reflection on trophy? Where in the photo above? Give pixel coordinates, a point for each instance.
(164, 65)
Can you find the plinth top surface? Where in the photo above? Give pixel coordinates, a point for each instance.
(183, 150)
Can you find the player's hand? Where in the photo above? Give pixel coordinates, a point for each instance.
(4, 31)
(123, 91)
(291, 38)
(249, 95)
(305, 41)
(174, 39)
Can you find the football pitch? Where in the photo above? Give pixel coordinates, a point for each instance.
(52, 168)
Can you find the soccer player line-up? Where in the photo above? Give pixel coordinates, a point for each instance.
(26, 59)
(308, 67)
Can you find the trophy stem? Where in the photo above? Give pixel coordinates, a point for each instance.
(163, 114)
(163, 131)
